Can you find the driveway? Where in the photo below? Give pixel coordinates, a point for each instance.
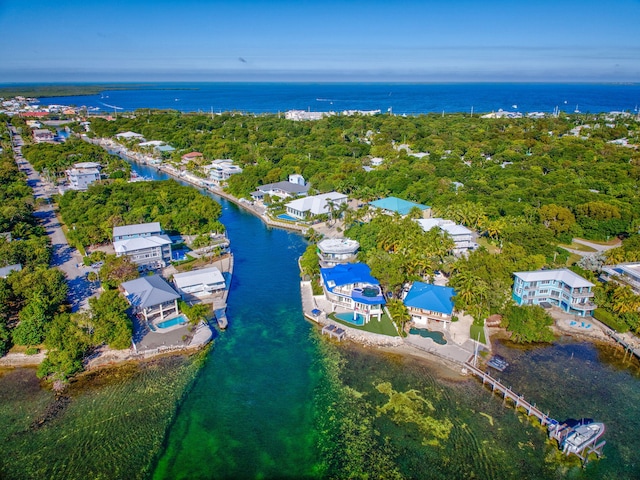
(64, 257)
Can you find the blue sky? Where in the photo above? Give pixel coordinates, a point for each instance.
(260, 40)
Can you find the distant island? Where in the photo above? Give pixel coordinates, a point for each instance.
(65, 90)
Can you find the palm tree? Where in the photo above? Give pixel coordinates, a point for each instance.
(624, 300)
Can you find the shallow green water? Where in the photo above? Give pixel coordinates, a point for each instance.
(110, 425)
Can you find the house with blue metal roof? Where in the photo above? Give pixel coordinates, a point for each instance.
(391, 205)
(352, 287)
(426, 302)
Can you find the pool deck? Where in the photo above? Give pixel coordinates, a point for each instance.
(457, 351)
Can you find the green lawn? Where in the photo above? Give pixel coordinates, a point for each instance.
(475, 330)
(484, 242)
(385, 326)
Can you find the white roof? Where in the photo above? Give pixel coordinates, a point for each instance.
(338, 245)
(206, 276)
(87, 165)
(136, 229)
(564, 275)
(316, 204)
(129, 135)
(76, 172)
(455, 230)
(429, 223)
(155, 143)
(138, 243)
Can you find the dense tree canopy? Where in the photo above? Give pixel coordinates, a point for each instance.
(528, 324)
(506, 167)
(54, 159)
(91, 215)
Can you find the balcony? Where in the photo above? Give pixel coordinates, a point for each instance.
(371, 295)
(584, 306)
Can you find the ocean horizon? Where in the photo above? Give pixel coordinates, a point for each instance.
(410, 98)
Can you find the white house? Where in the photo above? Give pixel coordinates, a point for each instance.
(151, 297)
(461, 235)
(221, 170)
(42, 135)
(145, 244)
(281, 189)
(81, 178)
(138, 230)
(333, 251)
(315, 205)
(199, 282)
(624, 273)
(304, 115)
(130, 136)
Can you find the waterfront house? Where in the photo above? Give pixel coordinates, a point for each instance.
(145, 244)
(322, 204)
(624, 274)
(334, 251)
(462, 237)
(130, 136)
(151, 297)
(562, 288)
(126, 232)
(82, 175)
(393, 205)
(351, 287)
(221, 170)
(427, 302)
(190, 157)
(281, 190)
(41, 135)
(199, 283)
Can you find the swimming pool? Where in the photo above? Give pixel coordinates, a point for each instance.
(284, 216)
(437, 337)
(348, 317)
(180, 320)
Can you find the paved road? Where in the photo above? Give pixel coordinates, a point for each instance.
(64, 257)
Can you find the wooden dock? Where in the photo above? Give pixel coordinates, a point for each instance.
(556, 430)
(334, 331)
(508, 394)
(628, 348)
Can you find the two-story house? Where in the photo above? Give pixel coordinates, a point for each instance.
(427, 302)
(333, 251)
(151, 298)
(145, 244)
(562, 288)
(352, 287)
(462, 237)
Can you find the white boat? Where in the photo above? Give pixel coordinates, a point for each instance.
(581, 436)
(498, 363)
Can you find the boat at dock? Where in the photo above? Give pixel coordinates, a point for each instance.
(581, 436)
(497, 362)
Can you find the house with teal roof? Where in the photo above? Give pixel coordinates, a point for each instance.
(427, 302)
(392, 205)
(351, 287)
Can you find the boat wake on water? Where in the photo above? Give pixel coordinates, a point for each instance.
(111, 106)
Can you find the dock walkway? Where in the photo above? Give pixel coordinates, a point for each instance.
(629, 347)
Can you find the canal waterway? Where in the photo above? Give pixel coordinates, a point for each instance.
(274, 400)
